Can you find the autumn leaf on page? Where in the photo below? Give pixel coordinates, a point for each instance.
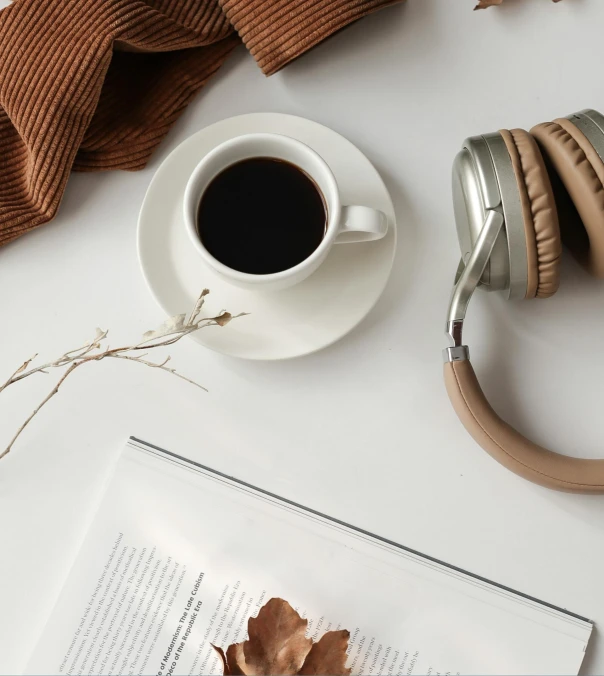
(277, 644)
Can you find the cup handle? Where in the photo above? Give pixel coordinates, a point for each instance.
(361, 224)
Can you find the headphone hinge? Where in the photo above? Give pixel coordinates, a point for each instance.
(457, 353)
(466, 281)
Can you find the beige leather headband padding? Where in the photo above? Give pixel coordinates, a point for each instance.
(543, 246)
(509, 447)
(582, 173)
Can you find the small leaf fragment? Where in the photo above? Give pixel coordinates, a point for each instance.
(171, 325)
(223, 319)
(25, 364)
(236, 660)
(100, 335)
(225, 666)
(328, 655)
(198, 305)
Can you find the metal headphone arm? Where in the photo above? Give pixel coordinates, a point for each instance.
(466, 281)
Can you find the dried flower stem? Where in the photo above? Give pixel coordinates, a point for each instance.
(161, 366)
(168, 333)
(50, 395)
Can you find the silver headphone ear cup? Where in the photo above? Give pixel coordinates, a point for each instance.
(484, 180)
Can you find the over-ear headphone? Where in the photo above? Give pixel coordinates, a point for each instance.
(515, 193)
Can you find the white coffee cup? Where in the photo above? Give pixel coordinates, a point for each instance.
(345, 224)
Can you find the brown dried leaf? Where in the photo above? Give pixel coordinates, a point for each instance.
(225, 667)
(24, 365)
(328, 655)
(223, 319)
(236, 660)
(277, 642)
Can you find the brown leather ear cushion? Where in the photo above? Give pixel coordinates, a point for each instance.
(582, 172)
(539, 212)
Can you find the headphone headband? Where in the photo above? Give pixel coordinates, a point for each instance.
(509, 447)
(507, 225)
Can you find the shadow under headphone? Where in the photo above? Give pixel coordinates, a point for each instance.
(515, 193)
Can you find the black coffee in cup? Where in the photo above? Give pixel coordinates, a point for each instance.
(261, 216)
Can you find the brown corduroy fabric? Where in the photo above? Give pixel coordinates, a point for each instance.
(96, 84)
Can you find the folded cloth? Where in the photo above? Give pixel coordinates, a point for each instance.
(92, 85)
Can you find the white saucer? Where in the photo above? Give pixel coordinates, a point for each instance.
(282, 324)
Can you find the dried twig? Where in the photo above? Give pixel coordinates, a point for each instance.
(161, 366)
(48, 397)
(171, 331)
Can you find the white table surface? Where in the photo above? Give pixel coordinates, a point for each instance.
(363, 430)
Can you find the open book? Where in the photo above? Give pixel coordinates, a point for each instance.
(179, 556)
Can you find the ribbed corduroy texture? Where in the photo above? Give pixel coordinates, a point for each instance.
(96, 84)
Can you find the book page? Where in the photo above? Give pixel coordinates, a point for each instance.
(179, 557)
